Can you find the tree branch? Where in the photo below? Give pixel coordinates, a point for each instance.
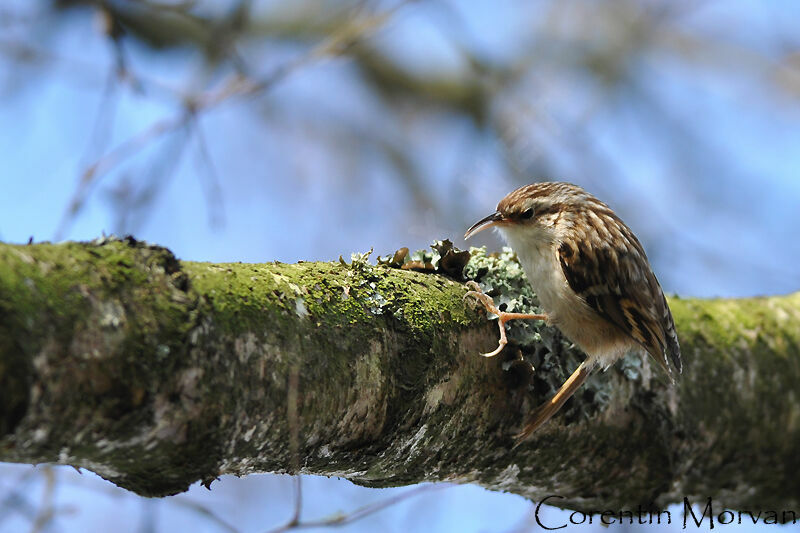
(156, 373)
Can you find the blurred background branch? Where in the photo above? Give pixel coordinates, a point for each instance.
(616, 96)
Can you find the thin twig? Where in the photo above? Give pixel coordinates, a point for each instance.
(237, 86)
(46, 511)
(205, 512)
(292, 398)
(298, 499)
(104, 121)
(213, 187)
(23, 52)
(362, 512)
(89, 178)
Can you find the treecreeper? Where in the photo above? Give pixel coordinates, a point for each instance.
(593, 281)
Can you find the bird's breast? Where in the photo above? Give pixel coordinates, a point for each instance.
(539, 259)
(601, 340)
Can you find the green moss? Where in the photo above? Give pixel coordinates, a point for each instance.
(325, 295)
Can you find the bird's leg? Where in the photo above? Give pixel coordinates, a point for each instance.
(502, 316)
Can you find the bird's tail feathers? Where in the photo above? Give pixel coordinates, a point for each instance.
(548, 409)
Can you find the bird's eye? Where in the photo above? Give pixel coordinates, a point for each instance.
(528, 213)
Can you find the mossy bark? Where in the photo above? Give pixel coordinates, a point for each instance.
(156, 373)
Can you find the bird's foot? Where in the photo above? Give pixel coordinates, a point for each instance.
(502, 316)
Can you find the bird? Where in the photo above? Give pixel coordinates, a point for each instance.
(593, 280)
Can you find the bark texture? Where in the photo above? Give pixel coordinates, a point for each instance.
(156, 373)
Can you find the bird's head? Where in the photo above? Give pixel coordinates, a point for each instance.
(530, 209)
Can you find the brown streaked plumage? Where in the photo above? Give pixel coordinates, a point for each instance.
(592, 277)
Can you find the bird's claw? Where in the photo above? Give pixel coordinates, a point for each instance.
(482, 297)
(473, 286)
(500, 346)
(488, 304)
(502, 316)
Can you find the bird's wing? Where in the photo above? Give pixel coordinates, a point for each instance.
(607, 267)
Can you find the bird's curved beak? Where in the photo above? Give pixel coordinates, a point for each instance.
(484, 223)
